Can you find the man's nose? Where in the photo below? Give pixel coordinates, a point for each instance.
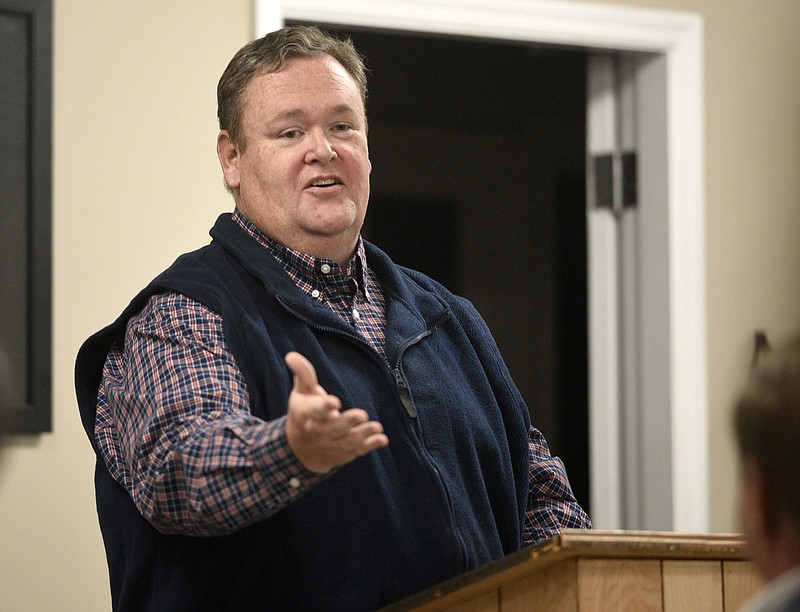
(320, 147)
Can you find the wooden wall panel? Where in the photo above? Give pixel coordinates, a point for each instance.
(619, 584)
(553, 589)
(487, 602)
(692, 586)
(740, 581)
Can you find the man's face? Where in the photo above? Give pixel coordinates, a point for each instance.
(303, 176)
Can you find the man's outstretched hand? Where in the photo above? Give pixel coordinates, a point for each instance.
(321, 434)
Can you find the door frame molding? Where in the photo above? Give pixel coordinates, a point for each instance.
(677, 35)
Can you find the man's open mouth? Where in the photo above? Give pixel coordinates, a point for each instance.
(324, 182)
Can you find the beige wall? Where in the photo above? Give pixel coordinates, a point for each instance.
(136, 182)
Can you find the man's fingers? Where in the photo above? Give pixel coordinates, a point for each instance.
(375, 441)
(352, 424)
(326, 408)
(371, 435)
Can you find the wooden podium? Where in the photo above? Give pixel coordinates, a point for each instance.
(582, 571)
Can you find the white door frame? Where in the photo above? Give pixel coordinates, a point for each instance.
(679, 37)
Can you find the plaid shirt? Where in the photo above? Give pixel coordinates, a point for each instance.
(175, 429)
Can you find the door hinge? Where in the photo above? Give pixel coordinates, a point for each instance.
(615, 180)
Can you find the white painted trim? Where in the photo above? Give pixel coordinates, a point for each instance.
(687, 269)
(679, 36)
(267, 16)
(604, 331)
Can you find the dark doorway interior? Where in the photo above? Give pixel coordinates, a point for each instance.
(478, 153)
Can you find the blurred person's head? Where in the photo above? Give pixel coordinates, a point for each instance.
(767, 429)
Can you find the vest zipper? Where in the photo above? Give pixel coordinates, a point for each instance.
(402, 391)
(400, 383)
(405, 397)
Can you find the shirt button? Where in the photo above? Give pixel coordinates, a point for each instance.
(294, 482)
(356, 314)
(315, 293)
(325, 268)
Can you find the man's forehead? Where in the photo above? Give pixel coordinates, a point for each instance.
(300, 86)
(324, 70)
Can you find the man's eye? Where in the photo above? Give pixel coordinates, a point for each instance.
(290, 134)
(341, 127)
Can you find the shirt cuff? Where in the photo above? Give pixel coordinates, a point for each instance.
(290, 477)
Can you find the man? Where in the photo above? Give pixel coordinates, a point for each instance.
(767, 427)
(285, 419)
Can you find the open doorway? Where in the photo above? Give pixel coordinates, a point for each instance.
(670, 181)
(478, 151)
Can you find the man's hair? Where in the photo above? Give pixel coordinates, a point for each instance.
(767, 422)
(269, 54)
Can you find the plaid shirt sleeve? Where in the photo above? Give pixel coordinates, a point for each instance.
(174, 426)
(551, 503)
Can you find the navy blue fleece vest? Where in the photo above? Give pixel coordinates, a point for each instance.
(447, 495)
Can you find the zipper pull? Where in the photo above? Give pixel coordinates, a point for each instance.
(402, 391)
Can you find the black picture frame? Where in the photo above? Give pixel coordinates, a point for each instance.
(26, 42)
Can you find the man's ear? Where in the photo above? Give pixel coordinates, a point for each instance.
(229, 157)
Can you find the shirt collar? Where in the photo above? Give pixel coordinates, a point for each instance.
(303, 268)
